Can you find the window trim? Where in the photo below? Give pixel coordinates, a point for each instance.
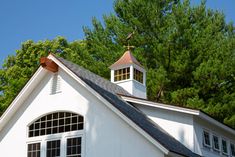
(203, 138)
(63, 136)
(60, 136)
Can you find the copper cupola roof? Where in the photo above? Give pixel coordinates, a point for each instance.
(127, 58)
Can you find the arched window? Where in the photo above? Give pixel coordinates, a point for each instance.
(56, 123)
(65, 123)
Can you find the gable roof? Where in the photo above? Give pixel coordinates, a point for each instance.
(110, 92)
(126, 59)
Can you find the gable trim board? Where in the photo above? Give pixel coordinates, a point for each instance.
(107, 94)
(193, 112)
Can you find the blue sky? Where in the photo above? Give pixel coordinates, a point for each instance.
(21, 20)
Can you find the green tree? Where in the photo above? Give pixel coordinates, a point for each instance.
(188, 52)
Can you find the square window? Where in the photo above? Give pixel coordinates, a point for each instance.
(53, 148)
(34, 150)
(74, 147)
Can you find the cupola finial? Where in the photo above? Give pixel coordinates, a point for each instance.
(130, 36)
(128, 73)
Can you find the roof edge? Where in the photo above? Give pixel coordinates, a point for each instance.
(160, 105)
(193, 112)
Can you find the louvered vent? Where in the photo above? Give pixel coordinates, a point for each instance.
(55, 84)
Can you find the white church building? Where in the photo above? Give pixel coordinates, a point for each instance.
(65, 110)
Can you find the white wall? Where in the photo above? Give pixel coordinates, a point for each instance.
(105, 133)
(178, 125)
(199, 126)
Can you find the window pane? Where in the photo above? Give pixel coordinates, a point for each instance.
(73, 147)
(216, 143)
(56, 123)
(206, 138)
(122, 74)
(34, 150)
(224, 147)
(138, 75)
(53, 148)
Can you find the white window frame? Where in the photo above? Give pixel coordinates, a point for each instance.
(203, 138)
(63, 136)
(231, 143)
(34, 142)
(224, 153)
(63, 141)
(213, 143)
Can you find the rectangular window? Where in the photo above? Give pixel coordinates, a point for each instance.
(122, 74)
(138, 75)
(206, 139)
(34, 150)
(216, 145)
(74, 147)
(53, 148)
(232, 150)
(224, 147)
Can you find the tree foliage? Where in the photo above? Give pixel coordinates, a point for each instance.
(189, 54)
(18, 68)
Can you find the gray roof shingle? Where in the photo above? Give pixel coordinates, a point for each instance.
(109, 91)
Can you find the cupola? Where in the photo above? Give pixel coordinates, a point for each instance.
(128, 73)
